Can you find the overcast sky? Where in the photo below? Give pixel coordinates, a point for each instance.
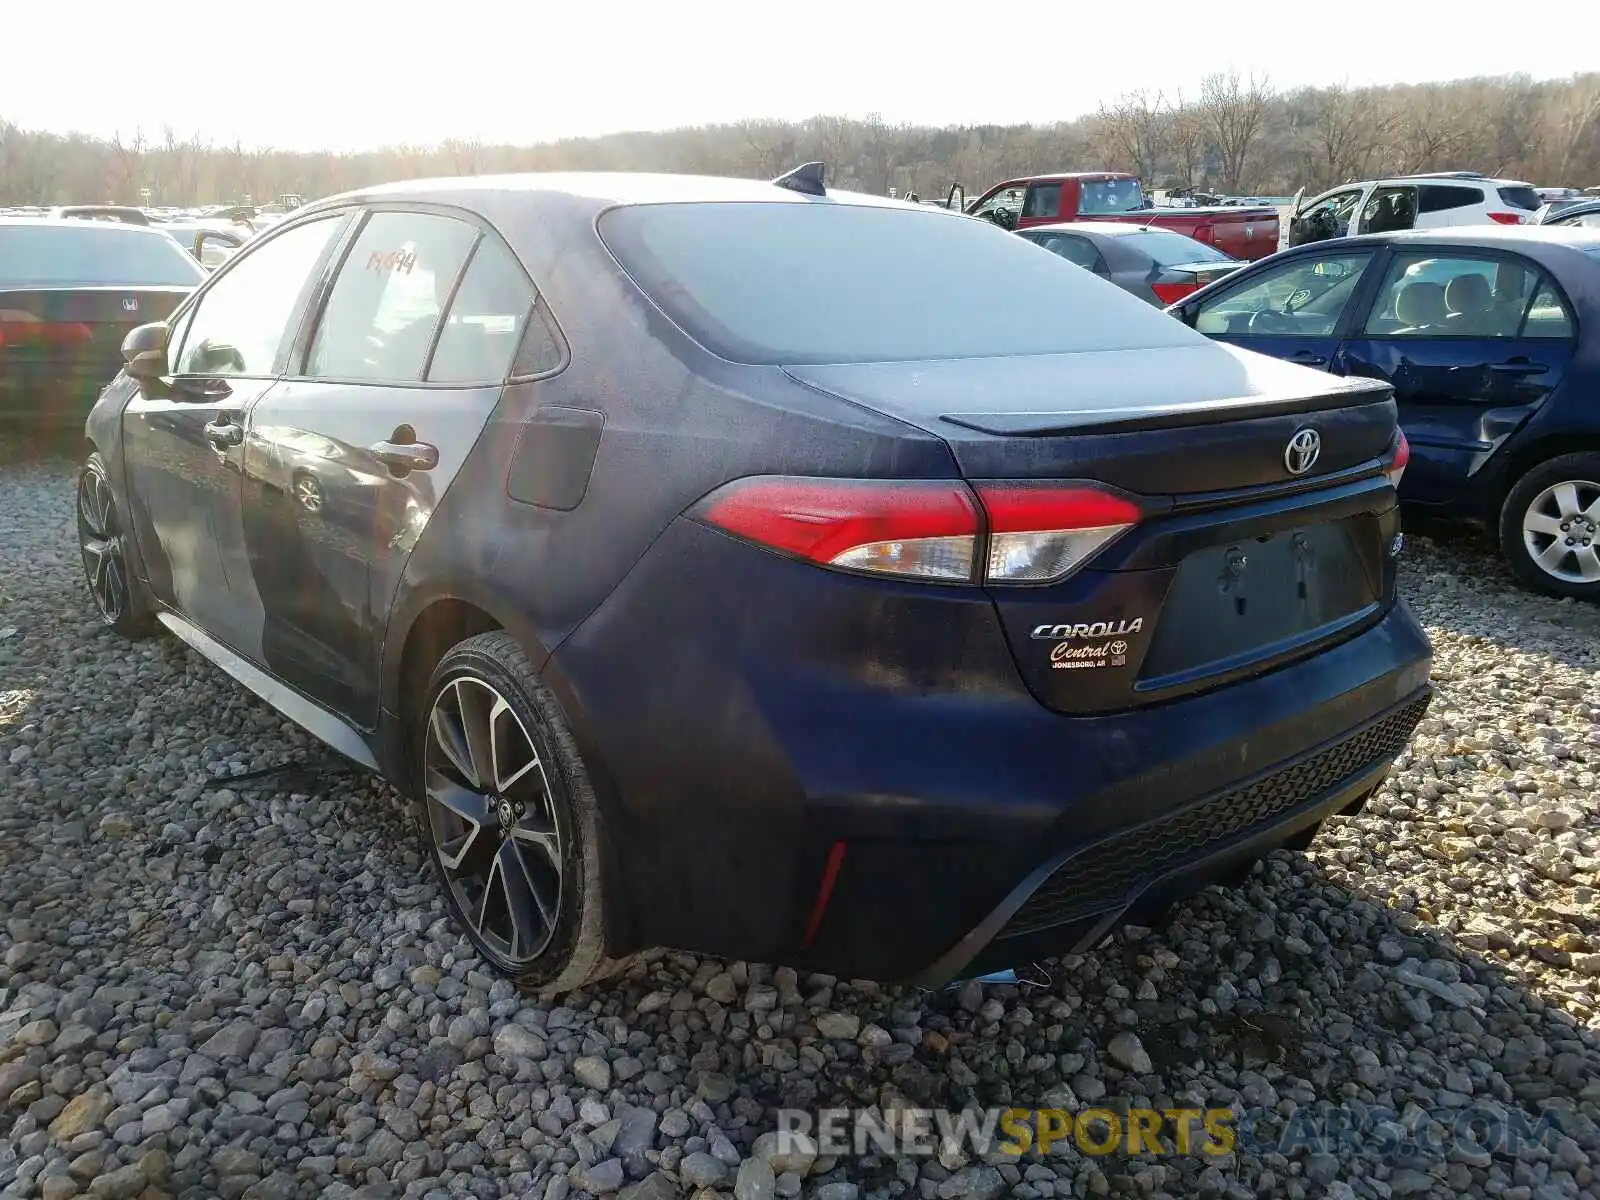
(338, 74)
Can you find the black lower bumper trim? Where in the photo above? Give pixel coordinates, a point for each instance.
(1069, 902)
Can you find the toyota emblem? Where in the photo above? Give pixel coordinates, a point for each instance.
(1303, 450)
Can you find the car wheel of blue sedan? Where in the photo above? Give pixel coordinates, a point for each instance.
(118, 597)
(1550, 527)
(510, 817)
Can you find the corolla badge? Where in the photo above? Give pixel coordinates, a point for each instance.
(1303, 450)
(130, 304)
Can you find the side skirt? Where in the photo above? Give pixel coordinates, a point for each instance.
(314, 719)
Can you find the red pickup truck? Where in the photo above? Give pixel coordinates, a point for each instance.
(1248, 233)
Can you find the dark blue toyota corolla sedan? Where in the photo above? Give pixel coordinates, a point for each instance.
(1490, 337)
(703, 593)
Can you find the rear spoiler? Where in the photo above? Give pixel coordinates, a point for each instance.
(1173, 416)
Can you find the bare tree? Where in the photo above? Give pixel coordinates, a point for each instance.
(1343, 132)
(1136, 132)
(466, 155)
(1576, 127)
(1187, 140)
(1236, 134)
(126, 168)
(1233, 111)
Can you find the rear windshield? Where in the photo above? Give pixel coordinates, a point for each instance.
(820, 282)
(1101, 196)
(86, 253)
(1173, 249)
(1521, 197)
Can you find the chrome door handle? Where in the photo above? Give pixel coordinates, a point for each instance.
(406, 456)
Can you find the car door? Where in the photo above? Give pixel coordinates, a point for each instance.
(1327, 216)
(1295, 307)
(348, 457)
(182, 438)
(1473, 342)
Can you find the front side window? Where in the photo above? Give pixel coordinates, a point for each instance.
(1461, 295)
(1010, 198)
(243, 321)
(1590, 220)
(1303, 298)
(385, 306)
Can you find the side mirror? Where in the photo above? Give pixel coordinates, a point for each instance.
(1186, 314)
(144, 351)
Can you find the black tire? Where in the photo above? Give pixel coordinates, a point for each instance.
(119, 599)
(1535, 498)
(574, 950)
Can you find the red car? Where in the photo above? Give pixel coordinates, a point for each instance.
(1248, 233)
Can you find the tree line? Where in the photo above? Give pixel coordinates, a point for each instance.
(1237, 134)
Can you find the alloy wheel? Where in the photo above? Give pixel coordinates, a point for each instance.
(1561, 531)
(309, 493)
(494, 825)
(100, 543)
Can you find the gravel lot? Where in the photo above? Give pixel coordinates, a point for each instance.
(250, 988)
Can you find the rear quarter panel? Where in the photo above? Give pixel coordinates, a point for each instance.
(677, 422)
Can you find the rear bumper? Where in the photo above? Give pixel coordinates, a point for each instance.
(1073, 898)
(63, 397)
(850, 776)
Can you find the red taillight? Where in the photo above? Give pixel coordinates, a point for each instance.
(1505, 218)
(1171, 293)
(1036, 533)
(889, 527)
(1044, 532)
(18, 328)
(1402, 456)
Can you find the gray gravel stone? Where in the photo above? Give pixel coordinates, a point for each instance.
(248, 987)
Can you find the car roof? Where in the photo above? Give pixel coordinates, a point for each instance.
(604, 189)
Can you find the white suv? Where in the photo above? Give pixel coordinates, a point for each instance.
(1411, 202)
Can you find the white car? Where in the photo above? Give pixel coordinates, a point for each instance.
(1411, 202)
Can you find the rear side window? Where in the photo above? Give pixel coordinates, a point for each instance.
(1101, 196)
(823, 282)
(1460, 295)
(1590, 220)
(1044, 200)
(1073, 249)
(487, 315)
(1524, 198)
(1440, 198)
(86, 253)
(385, 306)
(1170, 249)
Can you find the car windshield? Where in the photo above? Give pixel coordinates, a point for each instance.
(86, 253)
(1101, 196)
(1170, 249)
(820, 282)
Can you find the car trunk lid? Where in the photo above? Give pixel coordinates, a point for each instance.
(1237, 563)
(66, 339)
